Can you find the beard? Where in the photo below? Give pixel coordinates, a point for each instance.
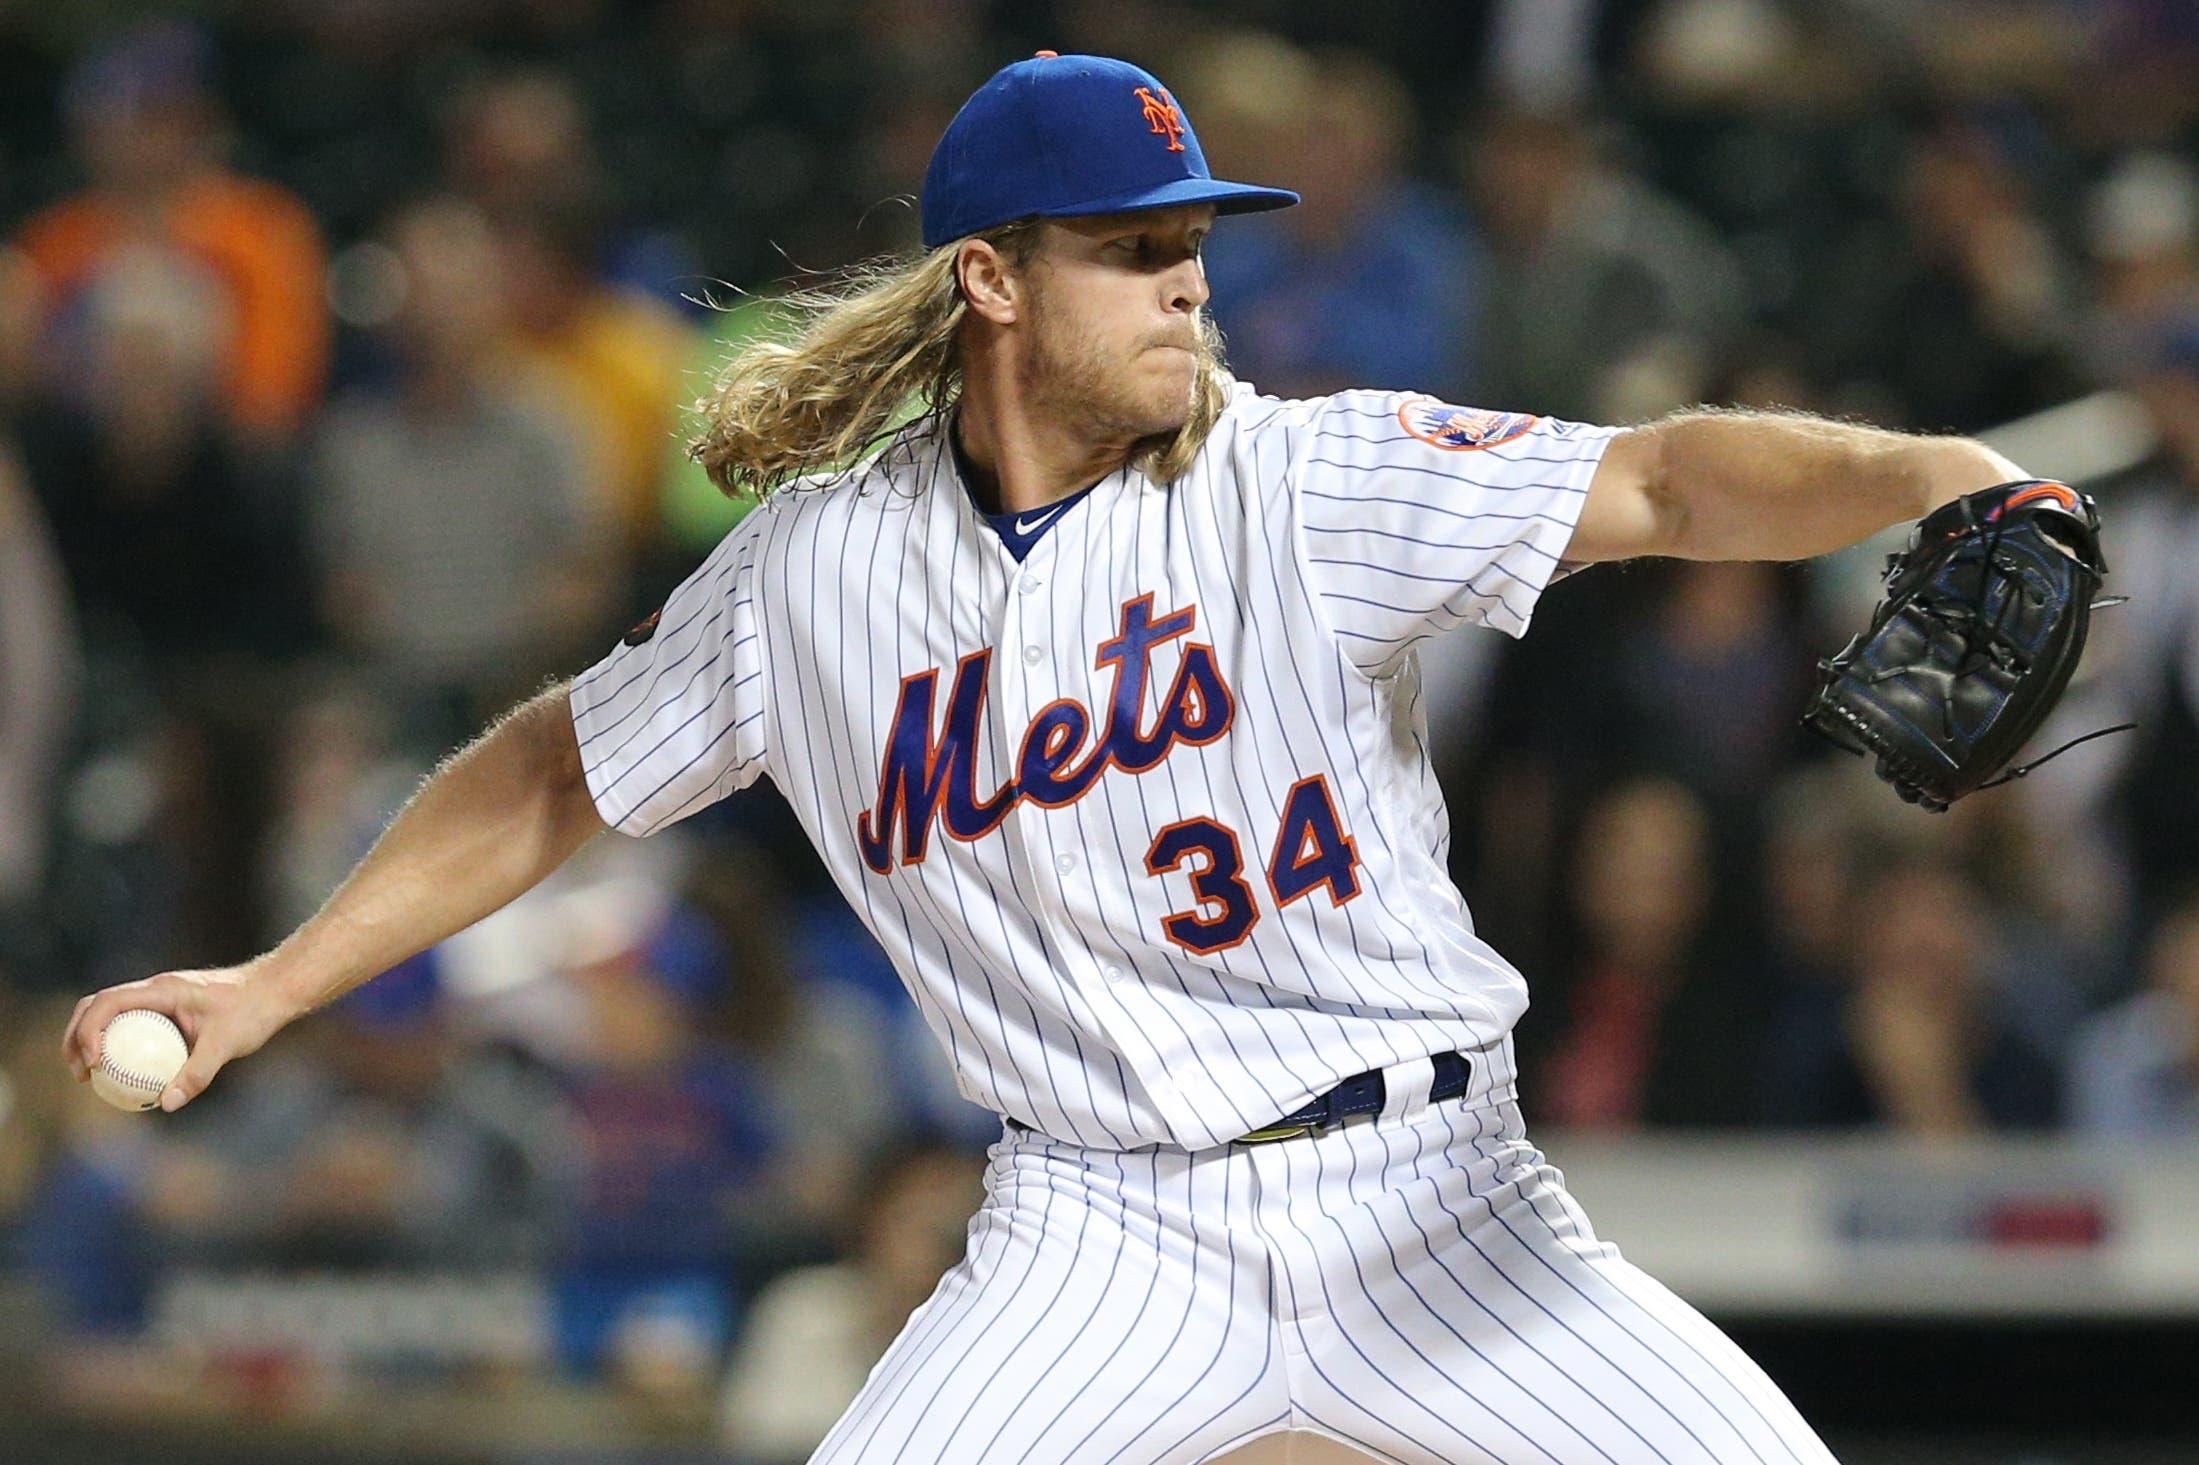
(1074, 377)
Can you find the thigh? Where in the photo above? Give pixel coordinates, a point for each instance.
(1466, 1311)
(1104, 1312)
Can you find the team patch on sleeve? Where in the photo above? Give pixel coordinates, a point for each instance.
(1457, 429)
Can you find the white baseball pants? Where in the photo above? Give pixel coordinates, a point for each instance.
(1415, 1285)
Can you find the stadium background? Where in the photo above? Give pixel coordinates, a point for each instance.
(341, 345)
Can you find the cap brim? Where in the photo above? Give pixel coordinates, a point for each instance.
(1227, 198)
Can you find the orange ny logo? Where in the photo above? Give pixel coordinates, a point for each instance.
(1162, 117)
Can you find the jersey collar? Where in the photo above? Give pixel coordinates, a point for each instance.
(1019, 531)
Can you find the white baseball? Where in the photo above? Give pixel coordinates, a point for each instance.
(140, 1053)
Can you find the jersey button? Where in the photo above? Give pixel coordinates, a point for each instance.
(1032, 656)
(1028, 584)
(1065, 863)
(1113, 974)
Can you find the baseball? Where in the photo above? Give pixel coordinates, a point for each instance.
(139, 1055)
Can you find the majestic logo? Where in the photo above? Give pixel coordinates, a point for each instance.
(644, 631)
(1456, 429)
(1161, 116)
(925, 778)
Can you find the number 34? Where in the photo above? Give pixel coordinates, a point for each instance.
(1311, 851)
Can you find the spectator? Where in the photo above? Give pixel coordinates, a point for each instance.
(675, 1133)
(88, 1231)
(2122, 808)
(1938, 1039)
(814, 1045)
(813, 1334)
(831, 952)
(38, 676)
(1605, 300)
(2140, 69)
(521, 141)
(1371, 282)
(2134, 1073)
(1651, 1029)
(1708, 679)
(151, 132)
(1967, 322)
(518, 140)
(179, 544)
(367, 1141)
(379, 1141)
(337, 781)
(457, 545)
(1812, 858)
(611, 358)
(2143, 229)
(135, 468)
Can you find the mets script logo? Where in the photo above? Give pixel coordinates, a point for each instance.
(1161, 116)
(1457, 428)
(925, 777)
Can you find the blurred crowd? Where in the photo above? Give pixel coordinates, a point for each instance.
(343, 352)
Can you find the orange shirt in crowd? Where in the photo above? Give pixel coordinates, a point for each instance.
(264, 246)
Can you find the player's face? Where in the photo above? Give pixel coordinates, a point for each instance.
(1116, 302)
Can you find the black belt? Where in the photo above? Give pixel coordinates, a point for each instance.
(1362, 1093)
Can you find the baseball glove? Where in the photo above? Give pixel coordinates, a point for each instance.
(1983, 622)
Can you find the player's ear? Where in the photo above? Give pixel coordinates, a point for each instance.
(987, 282)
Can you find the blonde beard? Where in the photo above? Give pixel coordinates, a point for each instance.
(1067, 379)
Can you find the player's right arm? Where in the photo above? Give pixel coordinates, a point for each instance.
(670, 721)
(488, 825)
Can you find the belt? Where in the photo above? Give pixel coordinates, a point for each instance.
(1362, 1093)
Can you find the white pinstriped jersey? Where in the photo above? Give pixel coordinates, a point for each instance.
(1146, 821)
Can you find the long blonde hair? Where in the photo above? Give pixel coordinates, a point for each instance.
(846, 362)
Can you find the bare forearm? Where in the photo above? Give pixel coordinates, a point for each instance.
(487, 826)
(1777, 486)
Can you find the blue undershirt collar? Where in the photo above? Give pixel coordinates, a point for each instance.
(1020, 532)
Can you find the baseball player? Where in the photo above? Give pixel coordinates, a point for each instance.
(1095, 686)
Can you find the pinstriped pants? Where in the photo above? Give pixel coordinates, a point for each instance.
(1416, 1285)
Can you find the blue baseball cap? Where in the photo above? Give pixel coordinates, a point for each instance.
(1056, 137)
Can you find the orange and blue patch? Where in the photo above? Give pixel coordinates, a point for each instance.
(1457, 429)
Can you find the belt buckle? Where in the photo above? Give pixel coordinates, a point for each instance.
(1273, 1133)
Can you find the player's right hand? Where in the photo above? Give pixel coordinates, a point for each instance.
(224, 1013)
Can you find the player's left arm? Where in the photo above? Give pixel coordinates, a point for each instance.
(1714, 484)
